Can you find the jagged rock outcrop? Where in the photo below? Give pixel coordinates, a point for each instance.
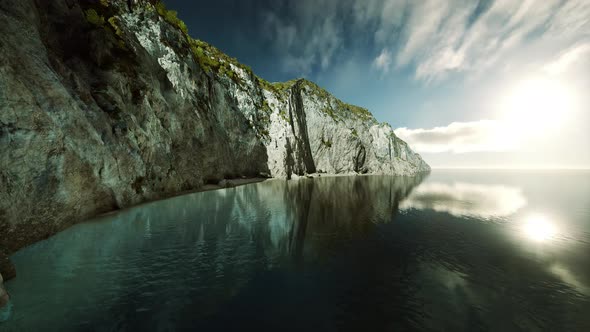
(105, 104)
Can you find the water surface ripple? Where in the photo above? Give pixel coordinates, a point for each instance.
(459, 250)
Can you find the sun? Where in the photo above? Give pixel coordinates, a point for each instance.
(536, 105)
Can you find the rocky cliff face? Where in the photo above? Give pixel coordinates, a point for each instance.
(311, 131)
(105, 104)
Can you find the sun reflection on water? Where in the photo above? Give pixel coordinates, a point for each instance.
(539, 228)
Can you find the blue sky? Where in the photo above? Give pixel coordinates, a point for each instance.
(467, 83)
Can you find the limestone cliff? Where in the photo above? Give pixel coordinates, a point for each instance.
(105, 104)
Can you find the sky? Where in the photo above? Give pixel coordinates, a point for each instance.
(467, 83)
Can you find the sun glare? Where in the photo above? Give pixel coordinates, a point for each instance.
(539, 228)
(535, 105)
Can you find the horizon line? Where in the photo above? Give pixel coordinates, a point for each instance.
(514, 168)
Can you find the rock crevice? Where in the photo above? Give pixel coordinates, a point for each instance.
(304, 158)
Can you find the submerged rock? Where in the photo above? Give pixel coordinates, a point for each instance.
(4, 297)
(7, 269)
(5, 304)
(120, 106)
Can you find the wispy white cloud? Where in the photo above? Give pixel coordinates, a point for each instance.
(571, 20)
(568, 59)
(383, 61)
(436, 38)
(459, 137)
(450, 43)
(307, 37)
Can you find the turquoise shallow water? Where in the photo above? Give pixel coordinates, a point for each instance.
(457, 250)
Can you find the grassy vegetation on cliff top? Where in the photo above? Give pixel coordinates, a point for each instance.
(213, 60)
(337, 111)
(209, 57)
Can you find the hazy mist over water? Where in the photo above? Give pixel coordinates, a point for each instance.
(457, 250)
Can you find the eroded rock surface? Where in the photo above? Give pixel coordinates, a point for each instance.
(105, 104)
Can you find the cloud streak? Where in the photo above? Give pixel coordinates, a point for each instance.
(568, 59)
(461, 37)
(302, 35)
(435, 38)
(383, 61)
(459, 137)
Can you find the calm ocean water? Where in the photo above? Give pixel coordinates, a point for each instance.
(457, 250)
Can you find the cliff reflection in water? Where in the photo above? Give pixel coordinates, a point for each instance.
(324, 212)
(463, 251)
(202, 248)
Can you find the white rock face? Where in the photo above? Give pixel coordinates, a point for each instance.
(301, 137)
(311, 131)
(308, 130)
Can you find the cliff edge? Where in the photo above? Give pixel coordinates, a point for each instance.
(106, 104)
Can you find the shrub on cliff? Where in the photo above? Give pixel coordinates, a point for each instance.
(94, 18)
(171, 17)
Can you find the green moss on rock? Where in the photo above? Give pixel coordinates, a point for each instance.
(171, 17)
(94, 18)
